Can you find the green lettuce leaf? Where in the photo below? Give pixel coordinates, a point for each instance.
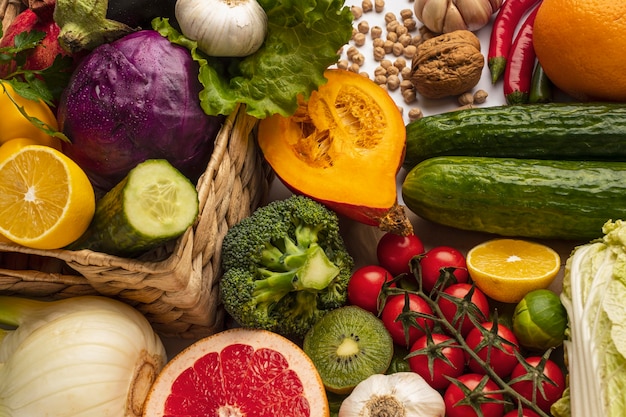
(303, 39)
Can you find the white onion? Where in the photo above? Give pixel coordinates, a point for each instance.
(80, 357)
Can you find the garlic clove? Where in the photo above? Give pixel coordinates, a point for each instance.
(475, 13)
(454, 20)
(432, 13)
(495, 5)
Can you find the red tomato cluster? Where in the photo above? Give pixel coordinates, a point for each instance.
(447, 306)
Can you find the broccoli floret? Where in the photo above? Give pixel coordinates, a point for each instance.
(285, 266)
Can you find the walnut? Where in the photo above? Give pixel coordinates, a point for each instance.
(447, 65)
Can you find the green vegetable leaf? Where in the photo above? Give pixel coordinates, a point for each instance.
(303, 39)
(594, 287)
(27, 40)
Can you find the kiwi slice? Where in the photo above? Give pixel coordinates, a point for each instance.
(347, 345)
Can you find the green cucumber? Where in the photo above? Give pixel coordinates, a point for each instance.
(578, 131)
(154, 204)
(518, 197)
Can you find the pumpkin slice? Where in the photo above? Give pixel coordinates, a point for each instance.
(343, 148)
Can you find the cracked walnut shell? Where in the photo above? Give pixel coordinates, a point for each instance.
(447, 65)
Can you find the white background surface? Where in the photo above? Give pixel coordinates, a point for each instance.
(361, 239)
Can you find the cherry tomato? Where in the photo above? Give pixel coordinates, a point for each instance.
(453, 394)
(552, 391)
(394, 306)
(442, 257)
(394, 252)
(448, 359)
(476, 305)
(501, 359)
(525, 413)
(365, 285)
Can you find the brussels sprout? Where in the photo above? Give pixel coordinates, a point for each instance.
(540, 320)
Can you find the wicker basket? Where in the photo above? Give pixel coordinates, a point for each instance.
(176, 285)
(8, 10)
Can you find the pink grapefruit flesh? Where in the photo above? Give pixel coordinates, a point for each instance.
(239, 373)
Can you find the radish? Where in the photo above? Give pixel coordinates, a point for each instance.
(37, 17)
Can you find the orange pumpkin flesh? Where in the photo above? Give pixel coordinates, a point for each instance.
(343, 148)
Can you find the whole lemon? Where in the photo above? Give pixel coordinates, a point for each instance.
(16, 125)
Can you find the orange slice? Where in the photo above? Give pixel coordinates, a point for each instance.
(46, 199)
(507, 269)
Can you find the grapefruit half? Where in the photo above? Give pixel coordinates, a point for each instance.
(239, 373)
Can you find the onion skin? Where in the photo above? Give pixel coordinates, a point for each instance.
(136, 99)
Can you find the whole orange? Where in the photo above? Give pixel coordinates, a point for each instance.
(581, 45)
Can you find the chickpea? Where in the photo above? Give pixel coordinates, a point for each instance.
(359, 39)
(466, 98)
(406, 13)
(376, 32)
(363, 27)
(480, 96)
(409, 95)
(379, 53)
(398, 49)
(415, 114)
(393, 82)
(357, 12)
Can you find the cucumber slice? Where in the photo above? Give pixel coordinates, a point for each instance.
(154, 204)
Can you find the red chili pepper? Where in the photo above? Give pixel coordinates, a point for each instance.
(520, 63)
(502, 32)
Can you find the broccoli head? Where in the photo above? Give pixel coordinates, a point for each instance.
(285, 266)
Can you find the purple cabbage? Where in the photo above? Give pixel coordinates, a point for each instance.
(136, 99)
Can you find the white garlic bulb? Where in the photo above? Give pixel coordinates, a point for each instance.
(398, 394)
(443, 16)
(223, 28)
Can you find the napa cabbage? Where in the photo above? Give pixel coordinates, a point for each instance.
(594, 295)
